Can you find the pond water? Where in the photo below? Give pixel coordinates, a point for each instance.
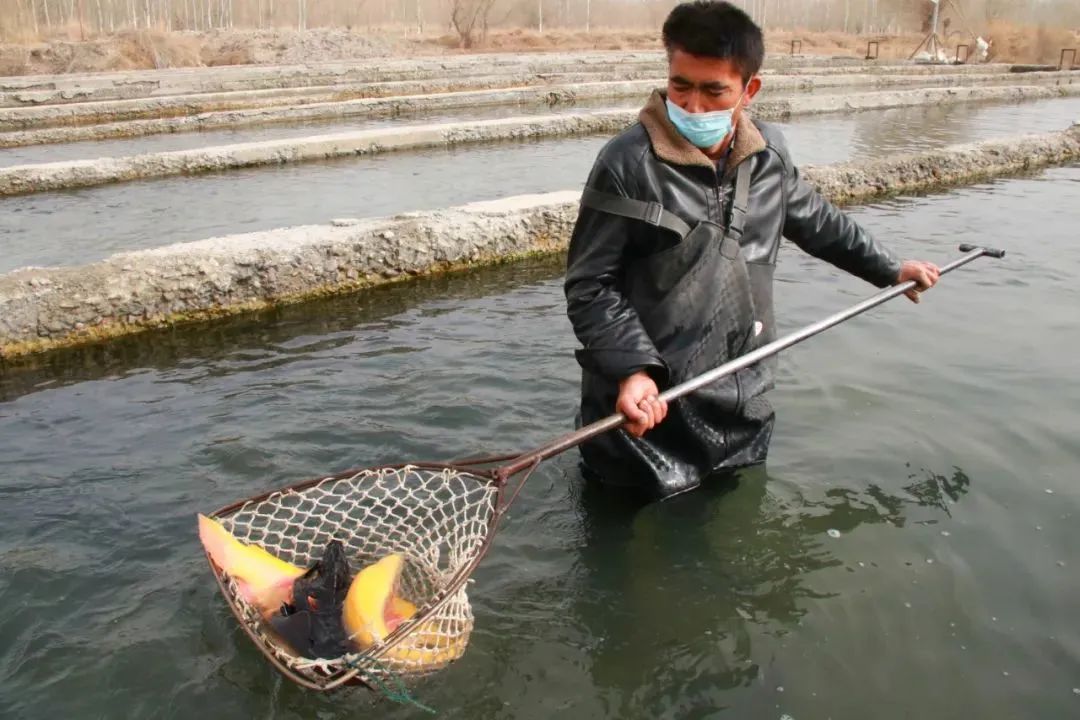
(911, 549)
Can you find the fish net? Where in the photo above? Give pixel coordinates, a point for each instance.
(437, 517)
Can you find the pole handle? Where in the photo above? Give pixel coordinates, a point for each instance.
(989, 252)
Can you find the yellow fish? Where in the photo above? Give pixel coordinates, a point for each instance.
(373, 610)
(262, 579)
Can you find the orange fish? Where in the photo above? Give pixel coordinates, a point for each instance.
(372, 608)
(262, 579)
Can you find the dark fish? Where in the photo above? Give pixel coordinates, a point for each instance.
(311, 623)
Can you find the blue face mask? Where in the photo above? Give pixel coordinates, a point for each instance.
(703, 130)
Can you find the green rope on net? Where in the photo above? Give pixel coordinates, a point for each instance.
(401, 695)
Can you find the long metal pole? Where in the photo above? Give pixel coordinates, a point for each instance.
(613, 421)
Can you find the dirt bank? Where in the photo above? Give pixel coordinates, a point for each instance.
(156, 49)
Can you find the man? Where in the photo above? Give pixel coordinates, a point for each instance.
(671, 262)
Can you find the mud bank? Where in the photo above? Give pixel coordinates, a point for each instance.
(42, 309)
(22, 179)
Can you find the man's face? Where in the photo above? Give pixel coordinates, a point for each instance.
(704, 84)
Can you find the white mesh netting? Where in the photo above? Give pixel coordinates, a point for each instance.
(437, 519)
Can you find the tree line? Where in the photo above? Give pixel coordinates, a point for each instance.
(471, 19)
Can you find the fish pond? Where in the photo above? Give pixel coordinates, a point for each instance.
(79, 226)
(910, 550)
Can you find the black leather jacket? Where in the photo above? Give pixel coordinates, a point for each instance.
(651, 162)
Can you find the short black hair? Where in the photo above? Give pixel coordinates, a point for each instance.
(709, 28)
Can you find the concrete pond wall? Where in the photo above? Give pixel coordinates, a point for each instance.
(22, 179)
(47, 308)
(65, 88)
(176, 113)
(81, 87)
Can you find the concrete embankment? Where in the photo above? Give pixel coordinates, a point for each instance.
(55, 89)
(42, 309)
(878, 66)
(110, 111)
(18, 179)
(21, 179)
(74, 88)
(178, 113)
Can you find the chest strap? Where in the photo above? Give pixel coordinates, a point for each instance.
(654, 213)
(742, 200)
(651, 212)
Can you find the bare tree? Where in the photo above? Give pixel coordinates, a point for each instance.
(469, 15)
(33, 15)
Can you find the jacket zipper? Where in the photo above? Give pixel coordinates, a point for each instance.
(720, 200)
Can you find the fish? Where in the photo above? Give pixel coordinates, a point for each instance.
(373, 609)
(311, 623)
(331, 614)
(262, 579)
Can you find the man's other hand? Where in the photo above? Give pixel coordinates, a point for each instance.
(925, 275)
(639, 401)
